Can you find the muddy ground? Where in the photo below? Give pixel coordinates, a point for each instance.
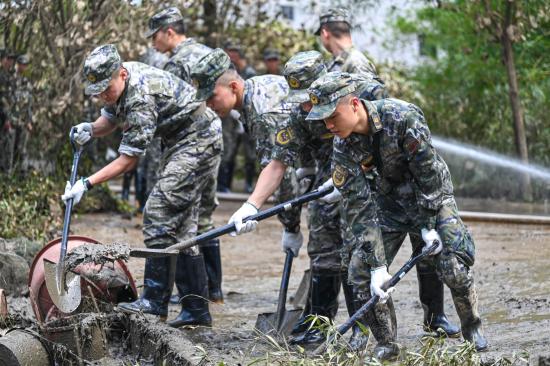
(512, 270)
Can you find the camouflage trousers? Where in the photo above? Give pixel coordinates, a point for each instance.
(7, 145)
(149, 165)
(452, 265)
(288, 190)
(172, 209)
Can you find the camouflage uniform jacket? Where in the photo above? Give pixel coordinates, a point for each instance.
(353, 62)
(298, 140)
(406, 168)
(184, 56)
(157, 103)
(264, 110)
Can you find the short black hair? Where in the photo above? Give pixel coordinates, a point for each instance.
(337, 29)
(178, 27)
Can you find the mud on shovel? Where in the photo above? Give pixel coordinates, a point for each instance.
(226, 229)
(342, 329)
(63, 287)
(283, 320)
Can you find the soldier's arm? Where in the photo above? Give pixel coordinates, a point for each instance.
(423, 163)
(115, 168)
(269, 180)
(102, 126)
(360, 210)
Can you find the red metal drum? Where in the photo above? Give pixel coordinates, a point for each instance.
(95, 277)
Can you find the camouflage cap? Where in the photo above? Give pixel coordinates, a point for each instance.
(300, 72)
(23, 59)
(325, 92)
(334, 15)
(99, 67)
(233, 46)
(207, 70)
(7, 53)
(271, 54)
(162, 19)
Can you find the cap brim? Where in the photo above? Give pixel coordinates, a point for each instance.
(149, 33)
(320, 112)
(204, 93)
(97, 88)
(318, 31)
(297, 96)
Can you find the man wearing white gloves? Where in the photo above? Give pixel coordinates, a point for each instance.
(394, 184)
(309, 143)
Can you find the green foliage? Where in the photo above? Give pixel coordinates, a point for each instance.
(464, 91)
(29, 206)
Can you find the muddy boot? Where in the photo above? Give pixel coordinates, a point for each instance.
(466, 307)
(383, 326)
(250, 173)
(430, 289)
(193, 289)
(213, 263)
(325, 287)
(156, 289)
(358, 339)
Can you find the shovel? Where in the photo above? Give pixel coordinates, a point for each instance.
(282, 321)
(176, 248)
(63, 287)
(342, 329)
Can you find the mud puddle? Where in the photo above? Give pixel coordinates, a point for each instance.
(512, 270)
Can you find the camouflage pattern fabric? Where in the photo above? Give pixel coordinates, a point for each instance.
(331, 15)
(184, 56)
(99, 67)
(399, 190)
(161, 19)
(157, 103)
(264, 109)
(298, 140)
(353, 61)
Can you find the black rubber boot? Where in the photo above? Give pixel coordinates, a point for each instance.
(213, 263)
(157, 286)
(324, 302)
(302, 324)
(250, 174)
(359, 338)
(193, 289)
(383, 326)
(430, 289)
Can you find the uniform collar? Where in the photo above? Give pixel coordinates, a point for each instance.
(375, 123)
(183, 44)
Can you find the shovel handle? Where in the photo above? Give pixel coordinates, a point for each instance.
(262, 215)
(281, 305)
(342, 329)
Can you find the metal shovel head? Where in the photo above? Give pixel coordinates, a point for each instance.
(65, 290)
(267, 322)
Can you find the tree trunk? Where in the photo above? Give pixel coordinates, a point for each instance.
(210, 20)
(513, 92)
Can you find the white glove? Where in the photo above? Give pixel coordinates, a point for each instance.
(333, 196)
(306, 178)
(247, 209)
(292, 241)
(378, 277)
(75, 192)
(429, 236)
(83, 132)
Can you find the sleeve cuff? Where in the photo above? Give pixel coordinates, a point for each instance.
(130, 151)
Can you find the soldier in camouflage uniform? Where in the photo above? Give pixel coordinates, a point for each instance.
(335, 35)
(234, 134)
(261, 100)
(147, 101)
(394, 183)
(22, 110)
(167, 30)
(7, 102)
(296, 141)
(272, 61)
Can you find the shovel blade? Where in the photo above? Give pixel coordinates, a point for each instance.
(268, 323)
(65, 294)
